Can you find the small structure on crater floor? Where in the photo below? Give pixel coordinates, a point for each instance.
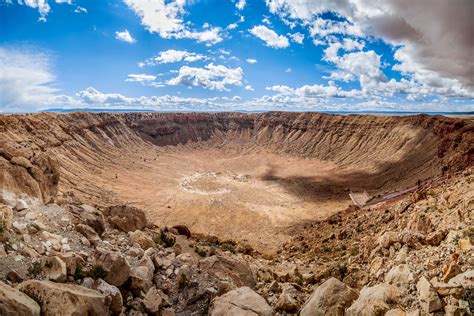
(359, 198)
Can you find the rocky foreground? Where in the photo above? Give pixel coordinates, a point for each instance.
(412, 257)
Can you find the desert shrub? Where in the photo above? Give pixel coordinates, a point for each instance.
(201, 251)
(97, 272)
(79, 274)
(35, 269)
(166, 239)
(228, 247)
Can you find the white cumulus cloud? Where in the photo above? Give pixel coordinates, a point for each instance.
(167, 19)
(172, 56)
(212, 77)
(125, 36)
(270, 37)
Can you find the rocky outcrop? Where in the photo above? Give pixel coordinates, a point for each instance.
(330, 298)
(65, 299)
(374, 300)
(241, 301)
(115, 265)
(14, 302)
(126, 218)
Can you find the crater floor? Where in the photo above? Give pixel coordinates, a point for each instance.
(236, 195)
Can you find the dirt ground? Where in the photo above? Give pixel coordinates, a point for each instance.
(229, 193)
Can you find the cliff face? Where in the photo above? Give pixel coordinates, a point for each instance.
(38, 150)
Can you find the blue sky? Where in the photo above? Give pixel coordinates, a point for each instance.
(230, 55)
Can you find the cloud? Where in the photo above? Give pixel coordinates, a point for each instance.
(80, 9)
(240, 5)
(26, 80)
(444, 49)
(316, 91)
(297, 37)
(140, 78)
(125, 36)
(251, 61)
(42, 6)
(249, 88)
(172, 56)
(166, 19)
(288, 70)
(212, 77)
(270, 37)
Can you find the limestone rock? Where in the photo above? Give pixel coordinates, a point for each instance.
(65, 299)
(6, 216)
(226, 267)
(71, 261)
(21, 205)
(240, 302)
(451, 271)
(466, 280)
(93, 218)
(387, 239)
(141, 238)
(54, 268)
(421, 223)
(141, 279)
(153, 301)
(288, 301)
(112, 295)
(117, 267)
(330, 298)
(374, 300)
(126, 218)
(89, 233)
(427, 296)
(400, 276)
(14, 302)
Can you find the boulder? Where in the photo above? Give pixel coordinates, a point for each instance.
(387, 239)
(141, 279)
(153, 301)
(54, 268)
(117, 267)
(126, 218)
(420, 223)
(451, 271)
(71, 261)
(6, 216)
(225, 267)
(65, 299)
(112, 294)
(288, 301)
(427, 296)
(374, 300)
(51, 240)
(240, 302)
(181, 230)
(466, 280)
(93, 218)
(14, 302)
(21, 205)
(89, 233)
(330, 298)
(141, 238)
(400, 275)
